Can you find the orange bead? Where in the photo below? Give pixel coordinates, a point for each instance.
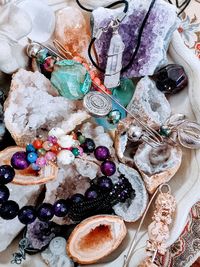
(37, 143)
(55, 149)
(97, 81)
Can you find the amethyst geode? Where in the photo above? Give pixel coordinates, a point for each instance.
(156, 36)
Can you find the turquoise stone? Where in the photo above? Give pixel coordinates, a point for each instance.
(114, 116)
(42, 55)
(104, 121)
(71, 79)
(124, 92)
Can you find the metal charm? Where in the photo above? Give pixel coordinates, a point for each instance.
(97, 104)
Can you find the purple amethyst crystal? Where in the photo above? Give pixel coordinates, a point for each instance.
(157, 32)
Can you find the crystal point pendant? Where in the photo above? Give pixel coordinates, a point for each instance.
(189, 135)
(114, 61)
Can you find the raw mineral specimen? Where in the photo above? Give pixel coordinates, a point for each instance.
(155, 38)
(72, 31)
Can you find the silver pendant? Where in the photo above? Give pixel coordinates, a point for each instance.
(97, 104)
(114, 62)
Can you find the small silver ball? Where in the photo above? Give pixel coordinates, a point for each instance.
(32, 49)
(134, 133)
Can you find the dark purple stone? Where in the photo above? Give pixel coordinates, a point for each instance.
(27, 214)
(4, 193)
(108, 168)
(45, 212)
(9, 210)
(101, 153)
(7, 174)
(171, 79)
(88, 146)
(104, 183)
(77, 198)
(91, 194)
(61, 208)
(19, 161)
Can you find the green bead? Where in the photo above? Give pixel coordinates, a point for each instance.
(42, 55)
(165, 131)
(71, 79)
(124, 92)
(41, 151)
(75, 151)
(81, 139)
(114, 116)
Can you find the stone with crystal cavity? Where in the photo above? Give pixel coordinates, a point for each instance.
(72, 31)
(162, 22)
(71, 79)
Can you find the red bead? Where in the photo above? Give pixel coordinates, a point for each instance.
(37, 144)
(55, 149)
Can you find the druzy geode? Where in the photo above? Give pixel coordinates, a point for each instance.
(71, 79)
(156, 36)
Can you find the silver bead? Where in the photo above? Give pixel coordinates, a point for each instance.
(134, 133)
(32, 49)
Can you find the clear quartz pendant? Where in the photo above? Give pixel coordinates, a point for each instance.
(114, 61)
(42, 16)
(189, 135)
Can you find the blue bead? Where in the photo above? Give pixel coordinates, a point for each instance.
(45, 212)
(27, 214)
(61, 208)
(7, 174)
(32, 157)
(35, 167)
(30, 148)
(9, 210)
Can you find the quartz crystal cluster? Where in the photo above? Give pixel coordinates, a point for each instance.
(156, 36)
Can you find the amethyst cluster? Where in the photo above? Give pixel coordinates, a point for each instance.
(157, 33)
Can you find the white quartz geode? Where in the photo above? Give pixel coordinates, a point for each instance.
(33, 108)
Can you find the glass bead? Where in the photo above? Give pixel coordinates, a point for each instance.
(41, 151)
(171, 79)
(75, 151)
(81, 139)
(52, 139)
(7, 174)
(108, 168)
(37, 144)
(27, 214)
(47, 145)
(4, 193)
(45, 212)
(50, 156)
(55, 149)
(48, 64)
(105, 183)
(32, 157)
(80, 149)
(30, 148)
(88, 146)
(19, 161)
(9, 210)
(124, 92)
(61, 208)
(77, 198)
(101, 153)
(91, 194)
(41, 162)
(71, 79)
(35, 167)
(114, 116)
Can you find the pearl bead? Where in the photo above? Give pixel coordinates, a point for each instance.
(66, 141)
(57, 132)
(65, 157)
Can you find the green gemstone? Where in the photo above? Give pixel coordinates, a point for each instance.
(41, 151)
(75, 151)
(165, 131)
(114, 116)
(81, 139)
(124, 92)
(71, 79)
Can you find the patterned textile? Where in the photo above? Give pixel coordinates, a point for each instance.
(186, 250)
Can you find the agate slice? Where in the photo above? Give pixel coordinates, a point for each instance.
(28, 176)
(133, 208)
(95, 238)
(156, 36)
(157, 165)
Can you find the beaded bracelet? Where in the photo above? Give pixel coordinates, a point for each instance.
(98, 198)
